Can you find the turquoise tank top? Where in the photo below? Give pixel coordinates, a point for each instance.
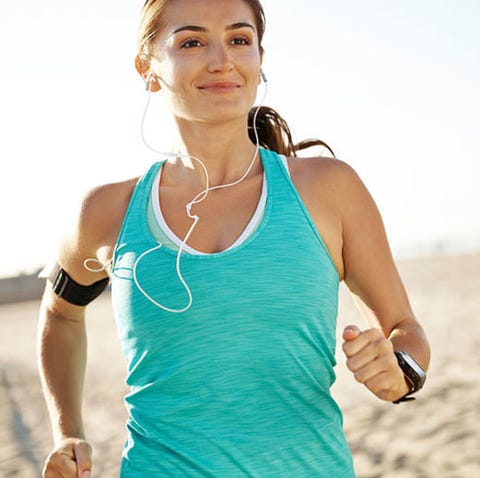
(237, 385)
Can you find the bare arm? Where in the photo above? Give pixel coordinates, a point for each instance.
(62, 359)
(62, 349)
(350, 224)
(373, 279)
(62, 354)
(62, 341)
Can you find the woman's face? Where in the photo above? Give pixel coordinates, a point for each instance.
(207, 59)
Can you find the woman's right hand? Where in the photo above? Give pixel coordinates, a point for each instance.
(72, 458)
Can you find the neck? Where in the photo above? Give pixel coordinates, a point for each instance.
(225, 150)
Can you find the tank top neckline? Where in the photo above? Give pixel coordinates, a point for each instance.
(177, 241)
(267, 157)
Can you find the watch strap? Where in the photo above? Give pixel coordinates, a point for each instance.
(413, 373)
(405, 398)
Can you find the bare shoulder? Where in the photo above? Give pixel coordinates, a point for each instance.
(333, 193)
(333, 181)
(94, 228)
(105, 203)
(322, 170)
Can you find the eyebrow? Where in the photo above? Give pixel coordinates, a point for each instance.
(196, 28)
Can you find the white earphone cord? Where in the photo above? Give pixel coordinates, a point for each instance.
(196, 200)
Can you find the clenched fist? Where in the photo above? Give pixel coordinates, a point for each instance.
(371, 358)
(72, 458)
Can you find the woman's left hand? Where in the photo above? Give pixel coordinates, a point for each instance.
(371, 358)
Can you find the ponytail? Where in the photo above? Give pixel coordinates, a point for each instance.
(274, 133)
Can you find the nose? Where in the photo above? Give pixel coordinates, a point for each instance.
(220, 59)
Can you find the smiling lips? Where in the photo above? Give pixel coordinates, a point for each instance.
(220, 86)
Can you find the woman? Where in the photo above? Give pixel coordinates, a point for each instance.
(225, 262)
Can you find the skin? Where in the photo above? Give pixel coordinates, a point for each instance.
(210, 78)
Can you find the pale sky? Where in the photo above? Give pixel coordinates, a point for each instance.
(392, 86)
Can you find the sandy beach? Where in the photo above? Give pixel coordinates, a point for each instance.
(436, 436)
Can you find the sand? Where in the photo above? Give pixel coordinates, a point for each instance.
(436, 436)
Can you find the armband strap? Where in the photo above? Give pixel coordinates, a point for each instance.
(73, 292)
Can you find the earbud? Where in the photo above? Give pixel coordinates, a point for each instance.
(148, 81)
(264, 77)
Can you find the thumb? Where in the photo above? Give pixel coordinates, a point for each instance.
(83, 457)
(350, 333)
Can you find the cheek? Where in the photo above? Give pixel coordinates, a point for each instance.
(167, 72)
(252, 63)
(172, 69)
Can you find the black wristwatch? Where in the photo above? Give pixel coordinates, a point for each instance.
(414, 375)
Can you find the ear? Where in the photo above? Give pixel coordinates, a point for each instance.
(260, 78)
(142, 65)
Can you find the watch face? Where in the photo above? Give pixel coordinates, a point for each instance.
(415, 374)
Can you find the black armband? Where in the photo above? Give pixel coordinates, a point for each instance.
(73, 292)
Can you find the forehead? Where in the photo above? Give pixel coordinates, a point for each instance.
(206, 13)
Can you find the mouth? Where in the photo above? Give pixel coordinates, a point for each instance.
(219, 87)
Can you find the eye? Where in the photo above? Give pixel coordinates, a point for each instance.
(241, 40)
(191, 43)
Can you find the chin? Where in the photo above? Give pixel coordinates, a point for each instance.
(218, 113)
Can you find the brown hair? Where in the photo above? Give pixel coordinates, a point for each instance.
(151, 22)
(272, 130)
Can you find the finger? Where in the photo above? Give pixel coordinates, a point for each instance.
(60, 465)
(83, 457)
(353, 347)
(362, 358)
(371, 370)
(388, 386)
(374, 350)
(350, 333)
